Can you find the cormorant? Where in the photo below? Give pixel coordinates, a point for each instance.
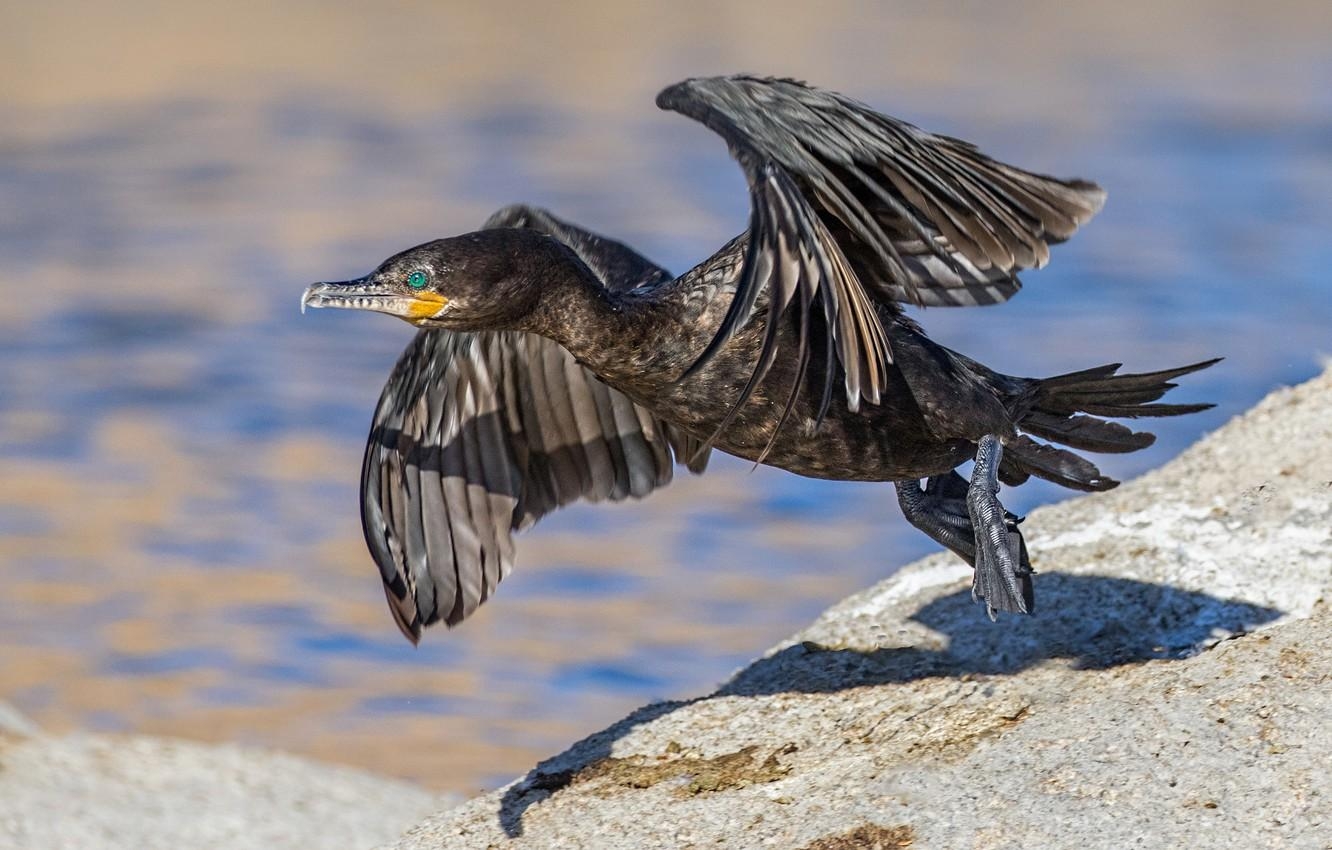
(554, 364)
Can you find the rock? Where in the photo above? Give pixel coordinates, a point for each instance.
(138, 793)
(14, 722)
(1173, 690)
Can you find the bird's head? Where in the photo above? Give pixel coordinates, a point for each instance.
(471, 282)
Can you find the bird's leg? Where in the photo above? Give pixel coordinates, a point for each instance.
(943, 510)
(1003, 571)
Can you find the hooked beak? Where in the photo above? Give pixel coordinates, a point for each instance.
(365, 294)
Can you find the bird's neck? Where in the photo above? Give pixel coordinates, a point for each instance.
(612, 334)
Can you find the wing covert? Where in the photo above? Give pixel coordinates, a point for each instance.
(620, 267)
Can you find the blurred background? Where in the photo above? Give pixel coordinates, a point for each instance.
(180, 550)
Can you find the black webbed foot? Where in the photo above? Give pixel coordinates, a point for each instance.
(949, 509)
(940, 510)
(1003, 570)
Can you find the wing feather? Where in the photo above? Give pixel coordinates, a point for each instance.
(853, 211)
(450, 471)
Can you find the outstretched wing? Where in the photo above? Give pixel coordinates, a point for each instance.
(478, 435)
(850, 207)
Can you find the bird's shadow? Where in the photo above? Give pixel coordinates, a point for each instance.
(1093, 622)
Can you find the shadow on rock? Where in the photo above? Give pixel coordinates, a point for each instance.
(1093, 622)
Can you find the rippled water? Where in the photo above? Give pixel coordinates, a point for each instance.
(179, 448)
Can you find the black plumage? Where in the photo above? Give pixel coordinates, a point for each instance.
(554, 364)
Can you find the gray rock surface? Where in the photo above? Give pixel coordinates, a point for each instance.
(1174, 690)
(100, 792)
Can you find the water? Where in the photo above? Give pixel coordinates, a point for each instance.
(179, 448)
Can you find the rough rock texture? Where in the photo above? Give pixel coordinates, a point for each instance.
(98, 792)
(1174, 690)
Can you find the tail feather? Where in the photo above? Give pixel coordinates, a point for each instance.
(1064, 410)
(1057, 465)
(1087, 433)
(1103, 378)
(1117, 395)
(1011, 472)
(1102, 388)
(1132, 410)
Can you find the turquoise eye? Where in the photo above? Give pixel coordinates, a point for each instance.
(416, 280)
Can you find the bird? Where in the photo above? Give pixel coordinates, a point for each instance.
(553, 364)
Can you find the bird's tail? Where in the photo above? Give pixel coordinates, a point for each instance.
(1070, 409)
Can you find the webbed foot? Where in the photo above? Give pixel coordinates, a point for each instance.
(952, 512)
(1003, 570)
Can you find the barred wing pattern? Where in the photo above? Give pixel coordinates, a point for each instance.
(479, 435)
(851, 207)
